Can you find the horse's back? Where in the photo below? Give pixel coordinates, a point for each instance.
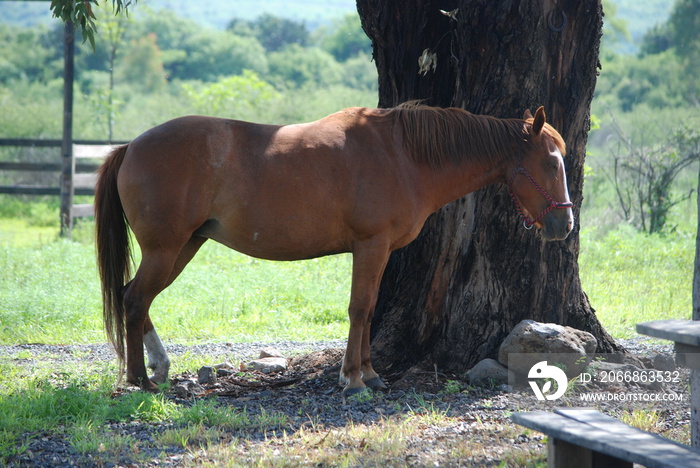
(277, 192)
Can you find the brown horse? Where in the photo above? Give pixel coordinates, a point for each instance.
(360, 180)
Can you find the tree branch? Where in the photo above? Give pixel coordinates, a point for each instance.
(80, 12)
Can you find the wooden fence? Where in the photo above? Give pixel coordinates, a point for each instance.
(86, 157)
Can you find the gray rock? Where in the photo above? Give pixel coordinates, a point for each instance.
(268, 364)
(664, 363)
(181, 391)
(531, 342)
(188, 389)
(206, 375)
(622, 375)
(270, 352)
(225, 369)
(225, 365)
(489, 372)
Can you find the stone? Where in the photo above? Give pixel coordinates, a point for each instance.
(664, 363)
(206, 375)
(188, 389)
(270, 353)
(181, 391)
(268, 364)
(225, 365)
(531, 342)
(489, 373)
(622, 376)
(225, 369)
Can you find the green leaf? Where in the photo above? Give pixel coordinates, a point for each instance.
(81, 13)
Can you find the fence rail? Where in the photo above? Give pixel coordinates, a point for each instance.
(82, 175)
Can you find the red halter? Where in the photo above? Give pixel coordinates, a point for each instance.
(527, 221)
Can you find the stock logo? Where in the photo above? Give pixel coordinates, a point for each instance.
(550, 374)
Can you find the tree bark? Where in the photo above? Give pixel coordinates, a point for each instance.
(452, 296)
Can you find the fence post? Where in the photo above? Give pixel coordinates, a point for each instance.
(67, 162)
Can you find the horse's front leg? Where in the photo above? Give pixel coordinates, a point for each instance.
(369, 376)
(158, 360)
(369, 261)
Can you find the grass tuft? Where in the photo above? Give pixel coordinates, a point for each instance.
(632, 277)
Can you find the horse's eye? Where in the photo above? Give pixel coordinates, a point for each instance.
(553, 164)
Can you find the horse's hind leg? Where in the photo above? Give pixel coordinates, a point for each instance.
(158, 360)
(150, 279)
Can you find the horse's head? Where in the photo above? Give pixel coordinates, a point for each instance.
(537, 183)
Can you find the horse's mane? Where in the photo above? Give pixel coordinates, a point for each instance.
(438, 136)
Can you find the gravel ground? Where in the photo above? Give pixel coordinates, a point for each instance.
(309, 395)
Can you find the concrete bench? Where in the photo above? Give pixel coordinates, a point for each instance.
(582, 437)
(686, 335)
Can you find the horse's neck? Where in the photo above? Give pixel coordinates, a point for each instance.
(451, 182)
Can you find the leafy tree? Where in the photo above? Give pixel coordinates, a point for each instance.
(143, 65)
(273, 32)
(628, 81)
(347, 39)
(297, 66)
(233, 94)
(614, 28)
(685, 24)
(209, 55)
(114, 30)
(81, 13)
(172, 32)
(680, 35)
(658, 39)
(359, 72)
(643, 175)
(28, 54)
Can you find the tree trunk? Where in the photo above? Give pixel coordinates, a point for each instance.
(452, 296)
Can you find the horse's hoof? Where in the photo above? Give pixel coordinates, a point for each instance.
(150, 387)
(146, 385)
(348, 392)
(376, 383)
(159, 380)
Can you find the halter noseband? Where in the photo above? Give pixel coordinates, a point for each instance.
(527, 221)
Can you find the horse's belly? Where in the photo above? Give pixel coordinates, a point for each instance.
(285, 240)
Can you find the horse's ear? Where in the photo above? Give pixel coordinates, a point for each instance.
(539, 121)
(527, 114)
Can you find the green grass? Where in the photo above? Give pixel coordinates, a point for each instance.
(20, 233)
(79, 410)
(50, 293)
(632, 277)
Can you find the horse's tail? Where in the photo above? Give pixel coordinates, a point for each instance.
(113, 249)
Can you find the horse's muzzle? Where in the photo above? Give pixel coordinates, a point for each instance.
(557, 225)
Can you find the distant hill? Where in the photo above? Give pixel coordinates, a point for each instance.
(215, 13)
(640, 15)
(218, 13)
